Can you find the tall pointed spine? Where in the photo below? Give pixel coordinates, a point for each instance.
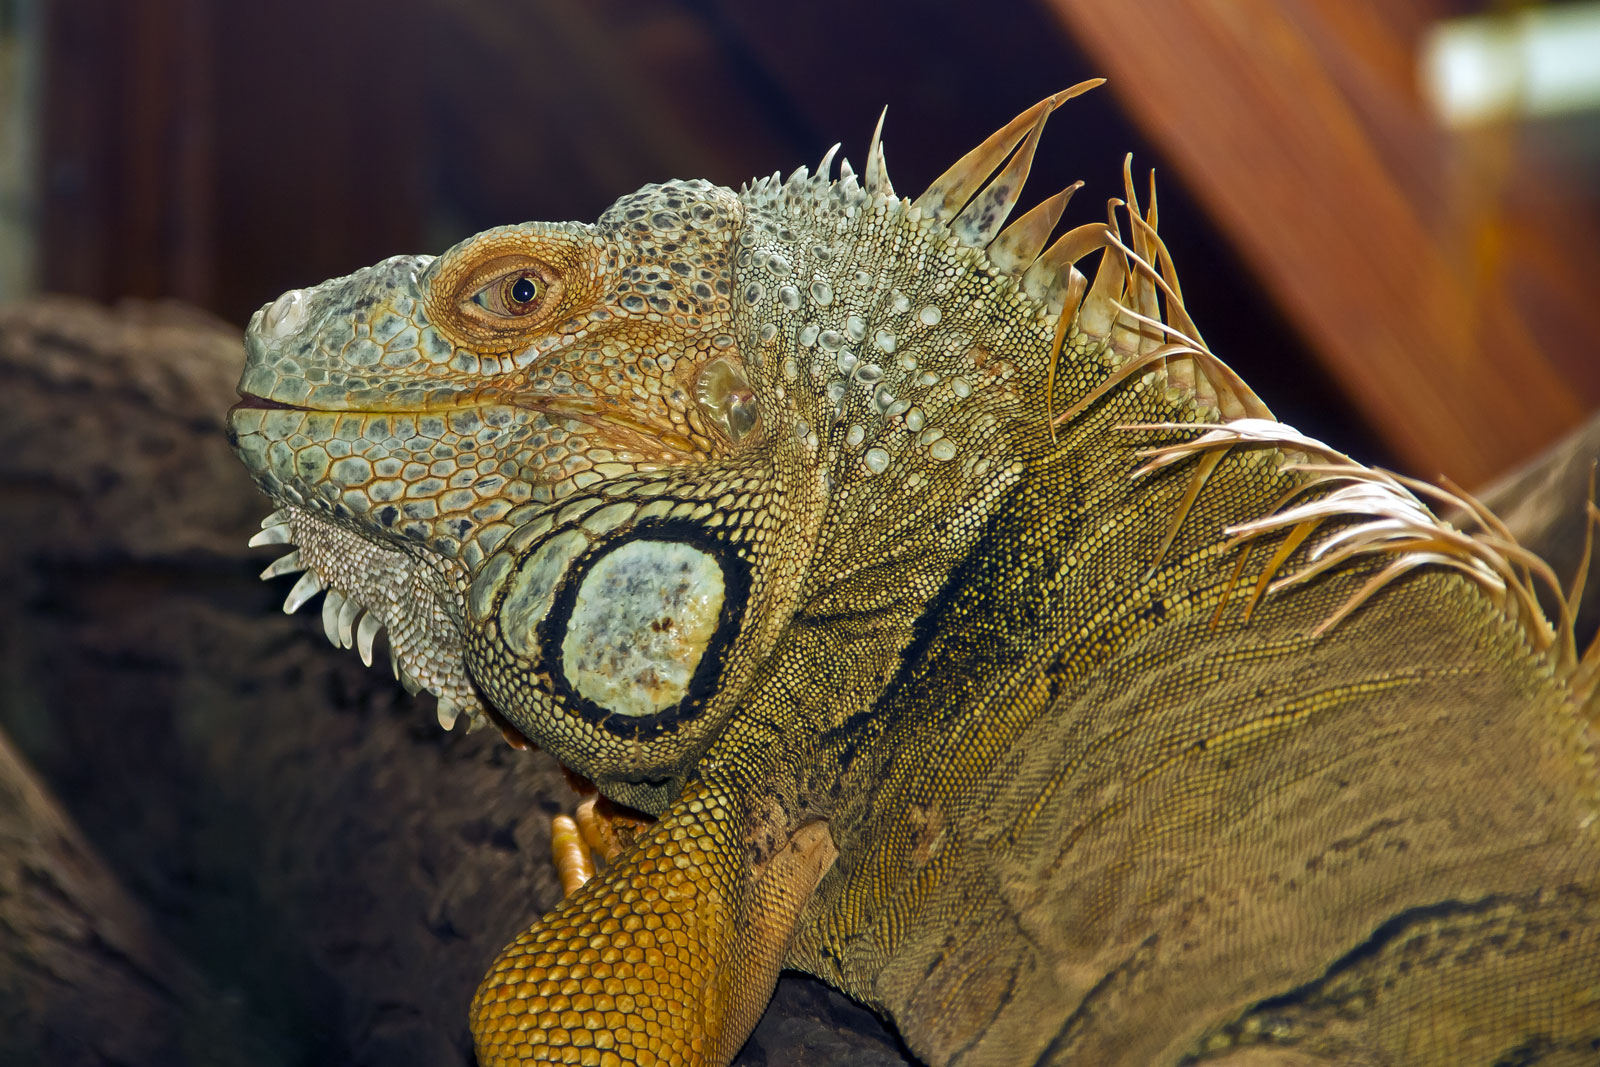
(981, 220)
(876, 178)
(949, 192)
(1019, 244)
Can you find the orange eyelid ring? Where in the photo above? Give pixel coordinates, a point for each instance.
(485, 306)
(486, 290)
(515, 294)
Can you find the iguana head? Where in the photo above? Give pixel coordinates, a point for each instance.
(561, 412)
(582, 473)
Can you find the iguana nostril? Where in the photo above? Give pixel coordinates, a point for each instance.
(286, 315)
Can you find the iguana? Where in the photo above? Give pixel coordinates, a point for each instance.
(977, 639)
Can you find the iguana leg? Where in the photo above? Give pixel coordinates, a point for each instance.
(667, 956)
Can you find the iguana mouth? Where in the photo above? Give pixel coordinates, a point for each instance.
(249, 401)
(595, 414)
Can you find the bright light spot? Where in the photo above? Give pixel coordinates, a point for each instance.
(1539, 61)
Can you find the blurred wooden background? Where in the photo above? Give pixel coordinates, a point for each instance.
(1424, 297)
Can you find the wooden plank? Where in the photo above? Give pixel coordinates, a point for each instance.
(1448, 302)
(125, 202)
(605, 95)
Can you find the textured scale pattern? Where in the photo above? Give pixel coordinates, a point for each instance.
(977, 639)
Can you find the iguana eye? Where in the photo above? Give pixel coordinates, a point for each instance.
(725, 396)
(512, 295)
(498, 299)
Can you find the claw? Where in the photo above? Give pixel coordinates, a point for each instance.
(608, 829)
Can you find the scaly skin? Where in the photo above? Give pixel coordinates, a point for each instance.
(826, 526)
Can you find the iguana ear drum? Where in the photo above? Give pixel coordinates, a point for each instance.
(631, 634)
(638, 634)
(641, 622)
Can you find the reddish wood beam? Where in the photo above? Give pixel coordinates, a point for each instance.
(1446, 300)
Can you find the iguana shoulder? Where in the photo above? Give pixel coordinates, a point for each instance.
(981, 643)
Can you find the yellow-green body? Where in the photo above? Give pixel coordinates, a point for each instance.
(970, 704)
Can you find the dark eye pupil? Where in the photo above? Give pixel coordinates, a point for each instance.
(523, 290)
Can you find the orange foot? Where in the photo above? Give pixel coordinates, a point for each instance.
(596, 828)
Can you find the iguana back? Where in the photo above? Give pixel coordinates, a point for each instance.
(981, 643)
